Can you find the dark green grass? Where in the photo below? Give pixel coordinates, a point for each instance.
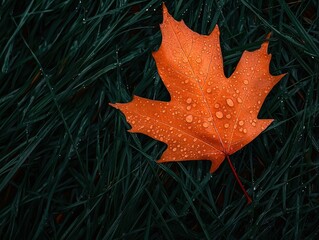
(70, 170)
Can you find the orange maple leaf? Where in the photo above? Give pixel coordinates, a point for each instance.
(209, 116)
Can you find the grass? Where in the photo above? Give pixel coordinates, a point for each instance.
(70, 170)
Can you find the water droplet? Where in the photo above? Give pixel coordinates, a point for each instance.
(189, 100)
(198, 60)
(241, 123)
(230, 102)
(226, 125)
(216, 105)
(205, 125)
(228, 116)
(188, 107)
(209, 90)
(219, 114)
(239, 100)
(189, 118)
(254, 124)
(184, 139)
(174, 149)
(148, 118)
(246, 82)
(245, 130)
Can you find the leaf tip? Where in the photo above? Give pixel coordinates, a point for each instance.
(165, 11)
(215, 165)
(113, 105)
(268, 36)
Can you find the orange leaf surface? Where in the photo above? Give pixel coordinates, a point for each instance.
(209, 116)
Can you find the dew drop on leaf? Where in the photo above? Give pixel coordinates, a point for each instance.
(230, 102)
(189, 118)
(219, 114)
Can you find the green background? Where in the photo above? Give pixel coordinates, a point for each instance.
(70, 170)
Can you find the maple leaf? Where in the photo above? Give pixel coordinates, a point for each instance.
(209, 116)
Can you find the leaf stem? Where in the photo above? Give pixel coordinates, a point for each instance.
(238, 180)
